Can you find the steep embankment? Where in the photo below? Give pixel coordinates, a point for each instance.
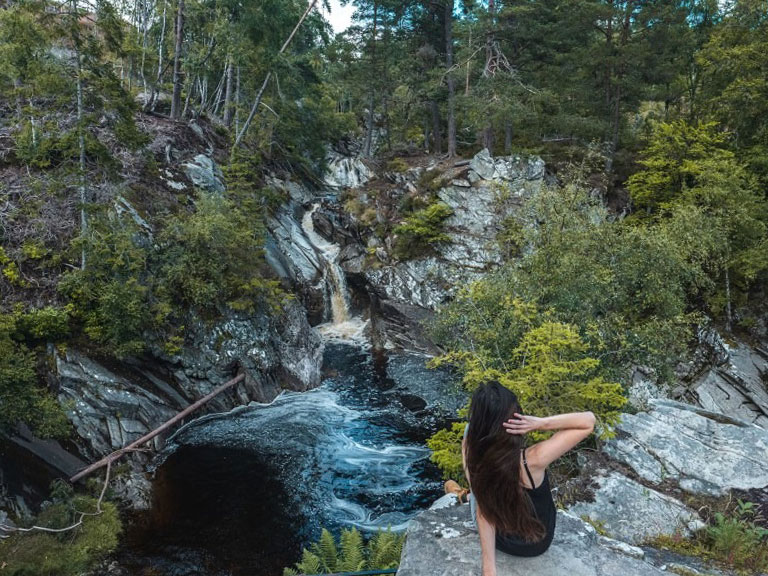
(112, 401)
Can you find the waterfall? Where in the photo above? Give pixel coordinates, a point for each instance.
(342, 324)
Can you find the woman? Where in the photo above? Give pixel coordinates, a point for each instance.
(511, 497)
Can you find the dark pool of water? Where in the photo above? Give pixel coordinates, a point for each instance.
(241, 493)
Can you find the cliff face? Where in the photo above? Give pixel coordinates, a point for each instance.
(112, 403)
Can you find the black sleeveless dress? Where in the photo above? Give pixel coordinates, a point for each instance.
(544, 508)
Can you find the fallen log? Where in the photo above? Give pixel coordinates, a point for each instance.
(133, 446)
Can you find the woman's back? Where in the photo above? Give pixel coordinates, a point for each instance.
(543, 507)
(545, 512)
(514, 513)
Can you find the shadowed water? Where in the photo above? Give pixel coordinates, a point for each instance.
(241, 492)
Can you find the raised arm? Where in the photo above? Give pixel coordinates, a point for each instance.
(571, 429)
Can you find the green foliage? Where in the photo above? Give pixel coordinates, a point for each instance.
(397, 165)
(688, 176)
(547, 364)
(422, 231)
(212, 256)
(110, 297)
(22, 399)
(136, 288)
(67, 554)
(350, 554)
(446, 451)
(736, 540)
(677, 157)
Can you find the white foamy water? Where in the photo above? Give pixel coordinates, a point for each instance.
(354, 330)
(334, 275)
(340, 467)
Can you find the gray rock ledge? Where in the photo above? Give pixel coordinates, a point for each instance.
(442, 542)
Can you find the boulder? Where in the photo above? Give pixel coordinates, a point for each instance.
(702, 451)
(346, 172)
(442, 542)
(205, 174)
(633, 513)
(736, 385)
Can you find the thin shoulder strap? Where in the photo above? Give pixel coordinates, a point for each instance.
(525, 465)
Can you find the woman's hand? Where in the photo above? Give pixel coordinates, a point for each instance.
(522, 424)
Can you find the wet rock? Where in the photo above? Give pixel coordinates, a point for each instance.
(426, 282)
(442, 543)
(289, 252)
(702, 451)
(631, 512)
(6, 524)
(97, 400)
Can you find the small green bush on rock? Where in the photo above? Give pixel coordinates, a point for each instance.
(422, 231)
(22, 399)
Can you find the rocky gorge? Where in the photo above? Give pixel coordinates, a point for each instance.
(707, 438)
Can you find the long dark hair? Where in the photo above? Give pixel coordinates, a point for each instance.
(493, 461)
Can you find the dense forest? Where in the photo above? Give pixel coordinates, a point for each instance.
(651, 116)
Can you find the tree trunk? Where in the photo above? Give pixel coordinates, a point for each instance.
(228, 95)
(237, 101)
(83, 187)
(150, 105)
(177, 74)
(436, 136)
(368, 144)
(488, 138)
(449, 77)
(728, 315)
(145, 14)
(426, 133)
(508, 137)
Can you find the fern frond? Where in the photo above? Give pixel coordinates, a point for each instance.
(327, 551)
(352, 551)
(310, 563)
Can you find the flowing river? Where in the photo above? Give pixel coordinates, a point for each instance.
(240, 493)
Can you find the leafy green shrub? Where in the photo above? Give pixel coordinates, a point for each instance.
(22, 399)
(431, 180)
(110, 297)
(397, 165)
(736, 540)
(350, 553)
(69, 553)
(135, 288)
(422, 231)
(213, 257)
(547, 364)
